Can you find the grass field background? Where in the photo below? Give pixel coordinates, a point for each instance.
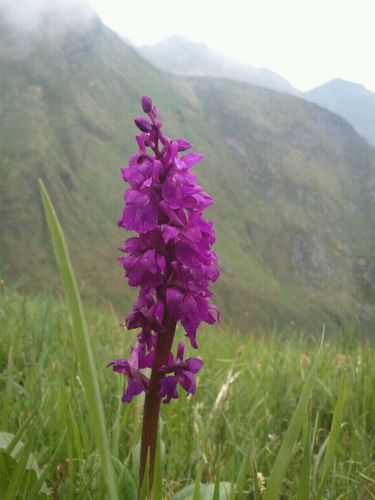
(247, 391)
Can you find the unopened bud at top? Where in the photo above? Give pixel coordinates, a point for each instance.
(146, 104)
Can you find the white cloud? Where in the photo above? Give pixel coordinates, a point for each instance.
(27, 14)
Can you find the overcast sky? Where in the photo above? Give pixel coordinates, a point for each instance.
(306, 41)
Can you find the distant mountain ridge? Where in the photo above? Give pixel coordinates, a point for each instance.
(350, 100)
(179, 55)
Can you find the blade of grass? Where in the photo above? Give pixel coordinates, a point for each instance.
(304, 486)
(116, 431)
(333, 437)
(8, 391)
(157, 486)
(286, 450)
(79, 449)
(17, 437)
(42, 478)
(197, 487)
(243, 472)
(317, 462)
(18, 474)
(80, 331)
(232, 475)
(216, 494)
(257, 493)
(144, 493)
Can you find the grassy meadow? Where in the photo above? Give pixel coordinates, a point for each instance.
(247, 392)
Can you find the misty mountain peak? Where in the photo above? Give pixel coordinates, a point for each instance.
(341, 84)
(180, 41)
(351, 100)
(179, 55)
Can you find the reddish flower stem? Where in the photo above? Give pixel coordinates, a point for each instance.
(152, 400)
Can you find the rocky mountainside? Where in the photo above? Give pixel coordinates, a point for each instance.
(294, 184)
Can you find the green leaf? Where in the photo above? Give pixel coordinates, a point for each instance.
(207, 491)
(82, 338)
(13, 441)
(187, 492)
(27, 479)
(284, 456)
(333, 437)
(13, 445)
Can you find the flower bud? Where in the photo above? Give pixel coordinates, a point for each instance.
(146, 104)
(143, 124)
(183, 144)
(141, 142)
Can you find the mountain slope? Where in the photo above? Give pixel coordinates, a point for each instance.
(181, 56)
(350, 100)
(294, 184)
(308, 196)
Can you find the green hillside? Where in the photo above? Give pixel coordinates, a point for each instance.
(294, 184)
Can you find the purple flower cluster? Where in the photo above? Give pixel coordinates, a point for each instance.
(170, 259)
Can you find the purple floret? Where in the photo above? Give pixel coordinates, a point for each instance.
(137, 381)
(184, 374)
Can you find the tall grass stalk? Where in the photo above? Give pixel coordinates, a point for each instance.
(286, 450)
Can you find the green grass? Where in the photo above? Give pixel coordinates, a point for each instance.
(41, 385)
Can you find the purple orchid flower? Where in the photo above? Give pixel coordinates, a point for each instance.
(171, 261)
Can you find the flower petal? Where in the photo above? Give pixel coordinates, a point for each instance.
(168, 389)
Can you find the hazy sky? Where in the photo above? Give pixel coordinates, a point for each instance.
(306, 41)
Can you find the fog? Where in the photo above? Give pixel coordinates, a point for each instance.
(28, 14)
